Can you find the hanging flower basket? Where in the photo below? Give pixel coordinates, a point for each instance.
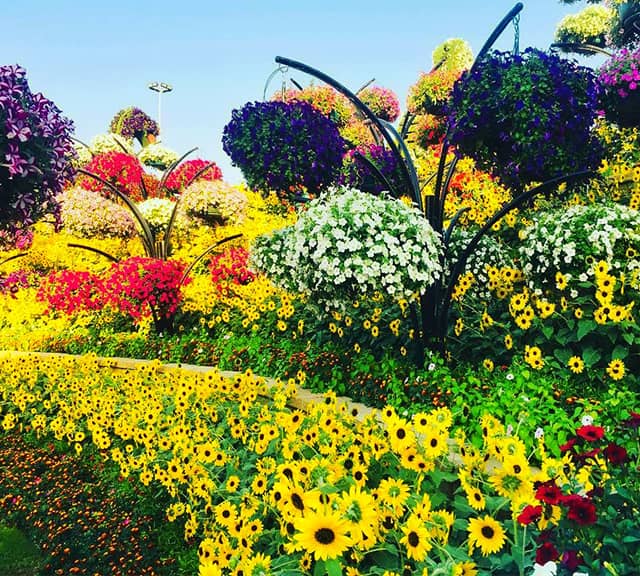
(526, 117)
(620, 78)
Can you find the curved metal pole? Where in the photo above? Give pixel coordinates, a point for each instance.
(357, 103)
(473, 243)
(207, 251)
(92, 249)
(578, 48)
(499, 29)
(376, 171)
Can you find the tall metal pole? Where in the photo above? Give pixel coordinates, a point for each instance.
(160, 88)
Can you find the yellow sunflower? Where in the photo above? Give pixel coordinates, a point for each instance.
(323, 534)
(487, 534)
(416, 538)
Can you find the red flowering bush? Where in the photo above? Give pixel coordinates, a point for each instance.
(184, 173)
(230, 267)
(119, 169)
(428, 130)
(137, 287)
(72, 291)
(593, 498)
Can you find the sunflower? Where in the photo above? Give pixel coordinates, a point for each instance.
(361, 512)
(576, 364)
(616, 369)
(487, 534)
(475, 498)
(324, 534)
(465, 569)
(393, 492)
(416, 538)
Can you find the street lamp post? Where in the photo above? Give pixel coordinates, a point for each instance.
(160, 88)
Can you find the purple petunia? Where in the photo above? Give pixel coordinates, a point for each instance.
(35, 153)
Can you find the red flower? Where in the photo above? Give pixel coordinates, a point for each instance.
(546, 553)
(581, 510)
(633, 421)
(571, 560)
(549, 493)
(616, 454)
(185, 172)
(568, 445)
(530, 514)
(590, 433)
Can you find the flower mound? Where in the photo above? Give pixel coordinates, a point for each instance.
(590, 26)
(157, 156)
(213, 202)
(569, 241)
(620, 76)
(88, 214)
(284, 147)
(382, 102)
(349, 243)
(121, 170)
(132, 123)
(185, 174)
(157, 212)
(527, 117)
(35, 145)
(431, 92)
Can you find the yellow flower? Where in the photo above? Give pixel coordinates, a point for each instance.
(576, 364)
(323, 534)
(488, 364)
(616, 369)
(416, 538)
(487, 534)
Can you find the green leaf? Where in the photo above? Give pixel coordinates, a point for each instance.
(563, 355)
(591, 356)
(619, 352)
(547, 330)
(333, 567)
(584, 328)
(628, 337)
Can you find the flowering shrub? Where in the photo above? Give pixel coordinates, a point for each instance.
(596, 502)
(290, 148)
(432, 90)
(137, 287)
(573, 241)
(88, 214)
(428, 130)
(349, 243)
(133, 123)
(526, 117)
(590, 26)
(229, 268)
(157, 156)
(325, 99)
(453, 54)
(357, 174)
(35, 148)
(119, 169)
(111, 142)
(381, 101)
(186, 171)
(213, 202)
(157, 212)
(620, 76)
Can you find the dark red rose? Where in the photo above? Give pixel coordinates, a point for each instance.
(546, 553)
(616, 454)
(530, 514)
(549, 493)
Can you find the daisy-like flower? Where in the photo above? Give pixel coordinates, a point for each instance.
(416, 538)
(576, 364)
(323, 534)
(487, 534)
(616, 369)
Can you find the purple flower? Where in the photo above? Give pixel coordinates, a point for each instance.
(36, 146)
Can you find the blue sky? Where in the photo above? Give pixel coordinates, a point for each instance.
(94, 58)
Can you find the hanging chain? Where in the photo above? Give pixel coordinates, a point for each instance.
(283, 86)
(516, 34)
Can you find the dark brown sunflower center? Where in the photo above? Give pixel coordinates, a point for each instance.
(434, 442)
(297, 501)
(325, 536)
(488, 532)
(413, 539)
(400, 433)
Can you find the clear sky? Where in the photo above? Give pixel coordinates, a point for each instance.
(93, 58)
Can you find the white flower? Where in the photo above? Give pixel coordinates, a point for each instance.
(509, 376)
(549, 569)
(431, 367)
(539, 433)
(587, 420)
